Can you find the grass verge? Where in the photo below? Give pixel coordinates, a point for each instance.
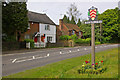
(68, 68)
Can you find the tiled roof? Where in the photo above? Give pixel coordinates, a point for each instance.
(38, 17)
(72, 27)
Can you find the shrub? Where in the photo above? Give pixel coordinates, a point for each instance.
(64, 37)
(74, 37)
(83, 41)
(97, 43)
(9, 38)
(31, 42)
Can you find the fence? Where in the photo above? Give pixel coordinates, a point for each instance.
(38, 45)
(58, 44)
(13, 45)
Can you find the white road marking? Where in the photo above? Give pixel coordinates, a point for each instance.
(60, 52)
(48, 54)
(38, 57)
(14, 60)
(85, 49)
(33, 57)
(23, 60)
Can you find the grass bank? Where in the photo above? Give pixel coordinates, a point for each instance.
(68, 68)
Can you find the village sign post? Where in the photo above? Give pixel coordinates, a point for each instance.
(92, 15)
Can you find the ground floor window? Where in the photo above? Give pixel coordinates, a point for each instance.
(27, 37)
(49, 38)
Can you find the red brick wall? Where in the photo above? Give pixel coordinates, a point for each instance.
(58, 34)
(33, 28)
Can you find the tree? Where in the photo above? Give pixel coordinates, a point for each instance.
(79, 23)
(73, 11)
(86, 29)
(72, 21)
(110, 25)
(14, 18)
(68, 20)
(65, 19)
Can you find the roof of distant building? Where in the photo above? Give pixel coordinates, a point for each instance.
(72, 27)
(38, 17)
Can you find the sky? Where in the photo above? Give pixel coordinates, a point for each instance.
(55, 9)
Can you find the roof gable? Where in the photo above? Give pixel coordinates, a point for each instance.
(38, 17)
(72, 27)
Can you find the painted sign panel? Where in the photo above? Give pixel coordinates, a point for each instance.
(92, 13)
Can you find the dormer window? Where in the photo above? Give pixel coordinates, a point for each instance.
(28, 26)
(47, 27)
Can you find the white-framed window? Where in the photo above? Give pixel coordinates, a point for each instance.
(47, 27)
(27, 36)
(80, 33)
(28, 26)
(49, 38)
(73, 32)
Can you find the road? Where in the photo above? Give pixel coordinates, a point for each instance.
(14, 63)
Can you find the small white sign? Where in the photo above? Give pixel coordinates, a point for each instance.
(89, 22)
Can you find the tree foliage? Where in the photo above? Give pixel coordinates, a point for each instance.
(72, 20)
(14, 18)
(65, 19)
(110, 24)
(86, 29)
(79, 22)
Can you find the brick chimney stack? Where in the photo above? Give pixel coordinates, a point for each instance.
(60, 24)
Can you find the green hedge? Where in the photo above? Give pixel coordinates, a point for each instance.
(66, 37)
(97, 43)
(31, 42)
(83, 41)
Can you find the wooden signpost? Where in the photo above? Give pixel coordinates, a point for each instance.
(92, 15)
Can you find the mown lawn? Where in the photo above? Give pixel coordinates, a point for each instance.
(68, 68)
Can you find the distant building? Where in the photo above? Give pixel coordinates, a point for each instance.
(69, 29)
(41, 28)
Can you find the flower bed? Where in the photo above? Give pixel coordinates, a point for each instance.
(96, 68)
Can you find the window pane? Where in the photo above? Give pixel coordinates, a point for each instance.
(28, 26)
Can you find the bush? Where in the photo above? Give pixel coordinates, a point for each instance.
(9, 38)
(97, 43)
(83, 41)
(64, 37)
(31, 42)
(74, 37)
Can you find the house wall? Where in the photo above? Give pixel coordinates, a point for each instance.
(50, 33)
(58, 34)
(33, 28)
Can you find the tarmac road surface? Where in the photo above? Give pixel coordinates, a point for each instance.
(14, 63)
